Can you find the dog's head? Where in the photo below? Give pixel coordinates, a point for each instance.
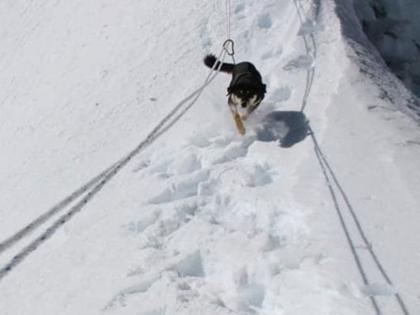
(244, 96)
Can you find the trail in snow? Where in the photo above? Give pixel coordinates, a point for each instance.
(198, 201)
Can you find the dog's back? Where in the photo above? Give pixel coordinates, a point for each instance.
(246, 89)
(245, 74)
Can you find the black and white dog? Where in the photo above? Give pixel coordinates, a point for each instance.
(246, 89)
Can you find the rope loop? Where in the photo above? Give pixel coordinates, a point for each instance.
(229, 47)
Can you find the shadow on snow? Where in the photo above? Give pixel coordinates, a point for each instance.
(287, 127)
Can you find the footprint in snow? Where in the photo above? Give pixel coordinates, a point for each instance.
(239, 8)
(119, 300)
(175, 218)
(161, 311)
(190, 266)
(308, 27)
(250, 293)
(205, 39)
(186, 162)
(303, 62)
(264, 21)
(141, 225)
(270, 52)
(181, 187)
(225, 150)
(281, 94)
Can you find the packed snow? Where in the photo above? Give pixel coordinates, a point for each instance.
(314, 211)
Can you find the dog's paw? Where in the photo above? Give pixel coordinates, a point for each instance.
(239, 124)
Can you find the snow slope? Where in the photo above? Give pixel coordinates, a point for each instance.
(393, 28)
(205, 221)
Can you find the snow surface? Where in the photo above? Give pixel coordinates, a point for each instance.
(204, 220)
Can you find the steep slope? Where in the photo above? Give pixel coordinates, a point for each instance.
(203, 221)
(394, 29)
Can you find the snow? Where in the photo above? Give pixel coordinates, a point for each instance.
(395, 31)
(205, 220)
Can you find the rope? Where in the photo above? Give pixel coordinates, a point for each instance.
(310, 73)
(93, 186)
(329, 172)
(229, 47)
(322, 162)
(228, 18)
(10, 241)
(97, 183)
(358, 225)
(331, 180)
(229, 43)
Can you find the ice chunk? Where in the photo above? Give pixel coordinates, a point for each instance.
(191, 266)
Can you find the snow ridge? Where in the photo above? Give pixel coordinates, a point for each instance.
(372, 65)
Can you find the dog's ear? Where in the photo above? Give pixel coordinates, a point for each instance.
(229, 90)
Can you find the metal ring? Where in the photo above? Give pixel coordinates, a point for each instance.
(229, 47)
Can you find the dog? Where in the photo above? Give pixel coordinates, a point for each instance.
(246, 89)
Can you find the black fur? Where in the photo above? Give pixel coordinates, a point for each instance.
(210, 60)
(245, 84)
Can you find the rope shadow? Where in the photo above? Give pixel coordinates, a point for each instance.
(286, 127)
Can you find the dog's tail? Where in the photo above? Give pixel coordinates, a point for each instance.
(210, 60)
